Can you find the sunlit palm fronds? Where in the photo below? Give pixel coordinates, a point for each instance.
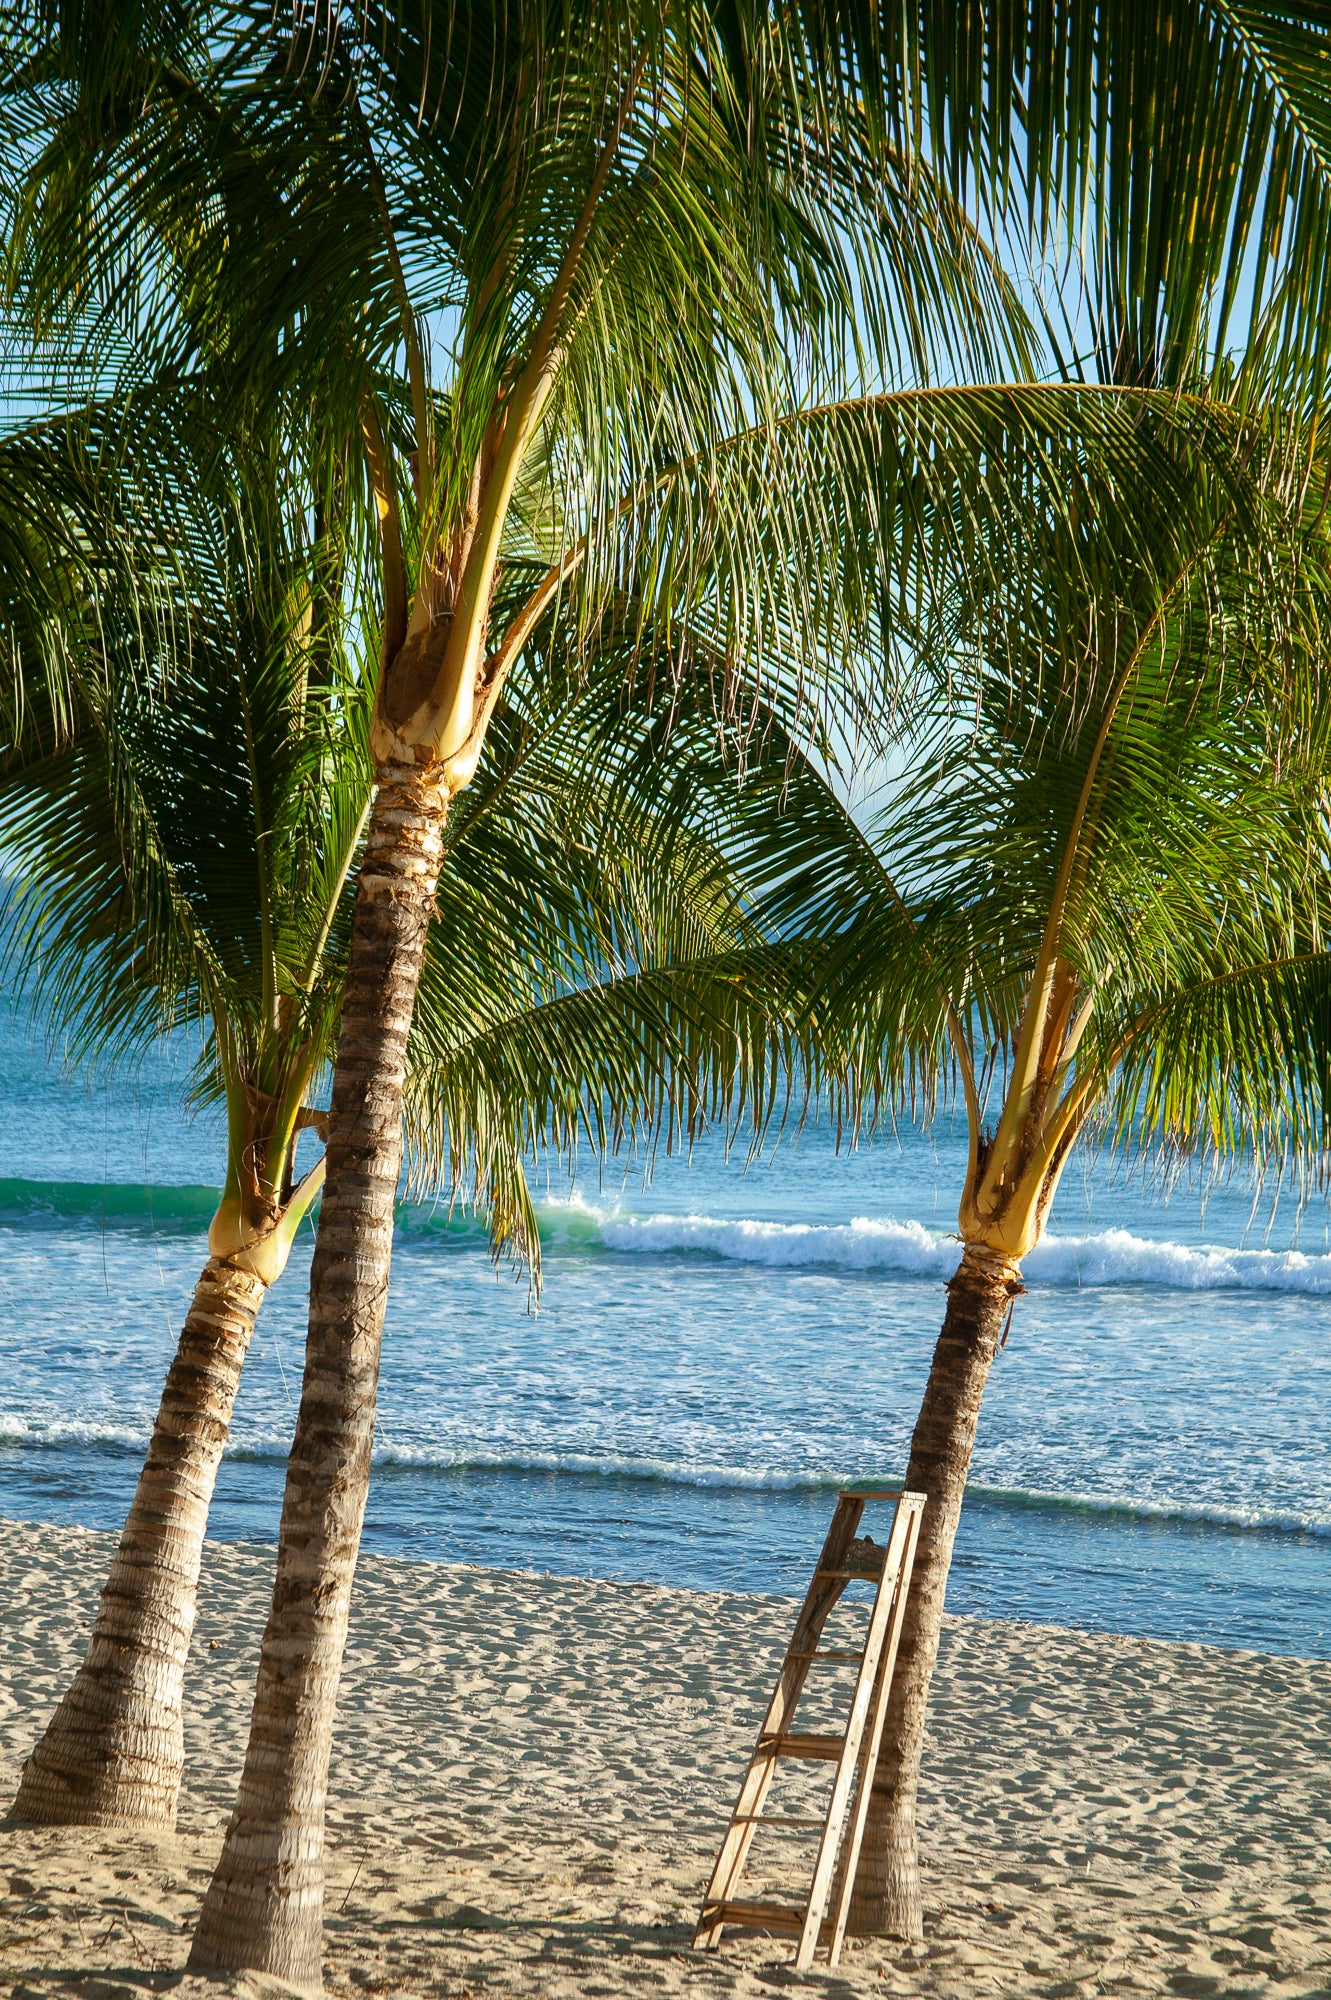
(1095, 898)
(1168, 166)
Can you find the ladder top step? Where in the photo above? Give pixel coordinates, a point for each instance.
(863, 1558)
(911, 1501)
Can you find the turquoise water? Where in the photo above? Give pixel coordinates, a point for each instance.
(714, 1353)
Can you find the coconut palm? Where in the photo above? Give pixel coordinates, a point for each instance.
(186, 818)
(1098, 908)
(1211, 145)
(184, 840)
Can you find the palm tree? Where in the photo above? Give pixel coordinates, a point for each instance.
(1188, 161)
(186, 815)
(184, 839)
(1100, 907)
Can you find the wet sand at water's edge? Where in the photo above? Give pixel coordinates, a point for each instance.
(532, 1774)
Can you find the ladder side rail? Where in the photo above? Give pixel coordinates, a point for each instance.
(850, 1853)
(819, 1600)
(861, 1704)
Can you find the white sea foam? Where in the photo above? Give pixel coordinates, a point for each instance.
(44, 1430)
(1117, 1257)
(271, 1448)
(871, 1243)
(862, 1245)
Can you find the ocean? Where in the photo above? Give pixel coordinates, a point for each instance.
(719, 1346)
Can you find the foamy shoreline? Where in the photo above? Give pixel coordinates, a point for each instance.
(532, 1773)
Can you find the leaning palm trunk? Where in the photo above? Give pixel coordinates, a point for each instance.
(887, 1899)
(113, 1752)
(264, 1907)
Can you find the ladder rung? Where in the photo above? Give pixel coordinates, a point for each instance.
(758, 1916)
(793, 1655)
(827, 1748)
(774, 1819)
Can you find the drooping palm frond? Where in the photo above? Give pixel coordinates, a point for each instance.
(1015, 614)
(856, 558)
(184, 841)
(182, 794)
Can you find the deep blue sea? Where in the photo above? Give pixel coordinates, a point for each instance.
(716, 1350)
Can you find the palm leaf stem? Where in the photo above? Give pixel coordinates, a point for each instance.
(1035, 1044)
(420, 396)
(392, 562)
(521, 418)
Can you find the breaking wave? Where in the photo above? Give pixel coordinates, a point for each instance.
(99, 1203)
(906, 1249)
(909, 1249)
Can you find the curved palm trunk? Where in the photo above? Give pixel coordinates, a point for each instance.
(887, 1900)
(264, 1906)
(113, 1752)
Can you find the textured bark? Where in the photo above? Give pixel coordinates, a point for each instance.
(264, 1906)
(112, 1753)
(887, 1900)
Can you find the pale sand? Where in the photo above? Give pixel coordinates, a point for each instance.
(532, 1775)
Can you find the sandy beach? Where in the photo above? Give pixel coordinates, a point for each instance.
(532, 1774)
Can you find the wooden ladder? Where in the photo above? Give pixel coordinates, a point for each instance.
(844, 1559)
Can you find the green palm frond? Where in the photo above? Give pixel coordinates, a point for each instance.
(184, 814)
(596, 976)
(1170, 165)
(1132, 859)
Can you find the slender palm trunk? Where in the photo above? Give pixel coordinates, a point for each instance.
(887, 1900)
(264, 1906)
(113, 1752)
